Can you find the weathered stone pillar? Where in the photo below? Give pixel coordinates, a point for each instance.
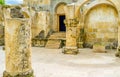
(118, 48)
(80, 35)
(18, 48)
(71, 37)
(71, 30)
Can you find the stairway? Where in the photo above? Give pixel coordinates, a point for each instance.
(55, 40)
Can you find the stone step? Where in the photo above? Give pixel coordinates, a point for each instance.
(54, 41)
(58, 36)
(53, 44)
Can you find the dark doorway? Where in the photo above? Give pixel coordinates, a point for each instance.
(61, 23)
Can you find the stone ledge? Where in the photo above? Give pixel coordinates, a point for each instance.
(25, 74)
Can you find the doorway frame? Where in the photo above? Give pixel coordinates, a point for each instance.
(58, 23)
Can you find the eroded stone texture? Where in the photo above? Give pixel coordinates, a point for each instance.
(100, 18)
(1, 27)
(71, 29)
(118, 48)
(40, 22)
(33, 2)
(15, 13)
(18, 48)
(40, 27)
(71, 38)
(101, 26)
(1, 35)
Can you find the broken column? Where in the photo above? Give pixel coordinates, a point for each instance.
(18, 47)
(71, 31)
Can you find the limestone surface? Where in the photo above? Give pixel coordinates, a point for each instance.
(17, 46)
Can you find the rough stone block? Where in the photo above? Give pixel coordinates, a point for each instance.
(99, 48)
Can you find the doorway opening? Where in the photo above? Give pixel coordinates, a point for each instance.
(62, 26)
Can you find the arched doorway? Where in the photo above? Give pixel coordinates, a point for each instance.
(60, 17)
(101, 25)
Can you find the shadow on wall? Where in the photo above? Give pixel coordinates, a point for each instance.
(41, 35)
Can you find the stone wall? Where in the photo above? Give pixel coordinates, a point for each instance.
(1, 27)
(40, 22)
(46, 5)
(37, 2)
(54, 5)
(101, 25)
(1, 35)
(43, 18)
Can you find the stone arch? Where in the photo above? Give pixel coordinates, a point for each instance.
(80, 16)
(98, 4)
(98, 23)
(59, 11)
(87, 6)
(59, 7)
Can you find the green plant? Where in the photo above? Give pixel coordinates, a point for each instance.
(2, 2)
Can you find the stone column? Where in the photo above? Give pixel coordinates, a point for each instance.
(71, 30)
(18, 48)
(118, 48)
(80, 35)
(71, 37)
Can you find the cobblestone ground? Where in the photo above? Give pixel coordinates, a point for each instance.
(52, 63)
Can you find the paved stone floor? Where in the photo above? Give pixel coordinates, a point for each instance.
(52, 63)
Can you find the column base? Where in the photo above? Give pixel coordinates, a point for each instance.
(80, 45)
(25, 74)
(117, 54)
(70, 50)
